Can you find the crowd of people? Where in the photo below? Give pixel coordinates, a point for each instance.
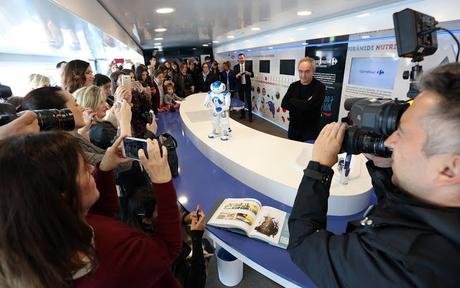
(64, 223)
(115, 221)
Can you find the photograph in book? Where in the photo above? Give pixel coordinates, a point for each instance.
(268, 225)
(247, 216)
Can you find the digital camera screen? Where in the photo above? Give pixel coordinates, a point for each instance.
(132, 146)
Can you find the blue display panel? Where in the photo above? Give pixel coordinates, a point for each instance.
(374, 72)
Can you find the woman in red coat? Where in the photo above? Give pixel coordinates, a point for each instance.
(49, 237)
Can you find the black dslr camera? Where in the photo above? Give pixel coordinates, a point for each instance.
(372, 121)
(48, 119)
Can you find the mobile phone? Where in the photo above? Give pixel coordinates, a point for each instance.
(197, 212)
(126, 81)
(131, 147)
(118, 104)
(152, 116)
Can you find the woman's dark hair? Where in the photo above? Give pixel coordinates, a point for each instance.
(74, 75)
(139, 70)
(100, 80)
(113, 78)
(140, 204)
(43, 236)
(44, 98)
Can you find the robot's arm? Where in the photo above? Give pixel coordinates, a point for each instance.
(227, 100)
(207, 101)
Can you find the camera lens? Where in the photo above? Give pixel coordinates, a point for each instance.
(389, 117)
(55, 119)
(357, 141)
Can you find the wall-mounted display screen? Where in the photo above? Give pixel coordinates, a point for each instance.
(249, 63)
(264, 66)
(287, 67)
(374, 72)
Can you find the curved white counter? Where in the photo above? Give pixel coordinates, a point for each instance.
(269, 164)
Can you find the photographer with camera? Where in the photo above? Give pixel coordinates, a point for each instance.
(26, 123)
(411, 238)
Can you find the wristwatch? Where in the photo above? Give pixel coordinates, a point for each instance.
(319, 172)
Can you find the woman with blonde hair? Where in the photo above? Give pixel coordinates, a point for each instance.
(99, 132)
(38, 81)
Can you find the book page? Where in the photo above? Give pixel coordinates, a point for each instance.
(271, 226)
(236, 213)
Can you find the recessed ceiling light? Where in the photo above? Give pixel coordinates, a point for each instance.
(205, 45)
(249, 50)
(305, 43)
(160, 30)
(165, 10)
(304, 13)
(270, 48)
(215, 41)
(362, 15)
(300, 29)
(183, 199)
(193, 48)
(365, 36)
(158, 38)
(230, 36)
(255, 28)
(157, 44)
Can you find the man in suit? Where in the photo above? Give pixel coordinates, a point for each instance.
(243, 74)
(304, 100)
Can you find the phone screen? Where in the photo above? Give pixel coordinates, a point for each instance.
(132, 145)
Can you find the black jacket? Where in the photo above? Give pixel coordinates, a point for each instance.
(247, 68)
(204, 85)
(402, 242)
(304, 109)
(231, 80)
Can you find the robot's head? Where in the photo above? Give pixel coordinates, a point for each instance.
(217, 87)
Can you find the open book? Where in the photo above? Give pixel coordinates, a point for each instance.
(247, 216)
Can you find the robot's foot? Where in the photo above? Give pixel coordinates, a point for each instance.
(224, 138)
(229, 130)
(212, 136)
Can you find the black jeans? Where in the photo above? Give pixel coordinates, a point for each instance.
(244, 92)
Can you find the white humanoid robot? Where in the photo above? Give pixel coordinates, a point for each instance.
(219, 100)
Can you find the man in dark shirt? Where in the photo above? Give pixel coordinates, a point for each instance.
(411, 237)
(304, 99)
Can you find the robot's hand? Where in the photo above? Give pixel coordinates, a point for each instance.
(207, 104)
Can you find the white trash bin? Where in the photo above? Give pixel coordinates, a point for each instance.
(230, 268)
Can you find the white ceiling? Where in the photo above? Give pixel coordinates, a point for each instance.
(198, 22)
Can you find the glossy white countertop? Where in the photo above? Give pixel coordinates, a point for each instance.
(269, 164)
